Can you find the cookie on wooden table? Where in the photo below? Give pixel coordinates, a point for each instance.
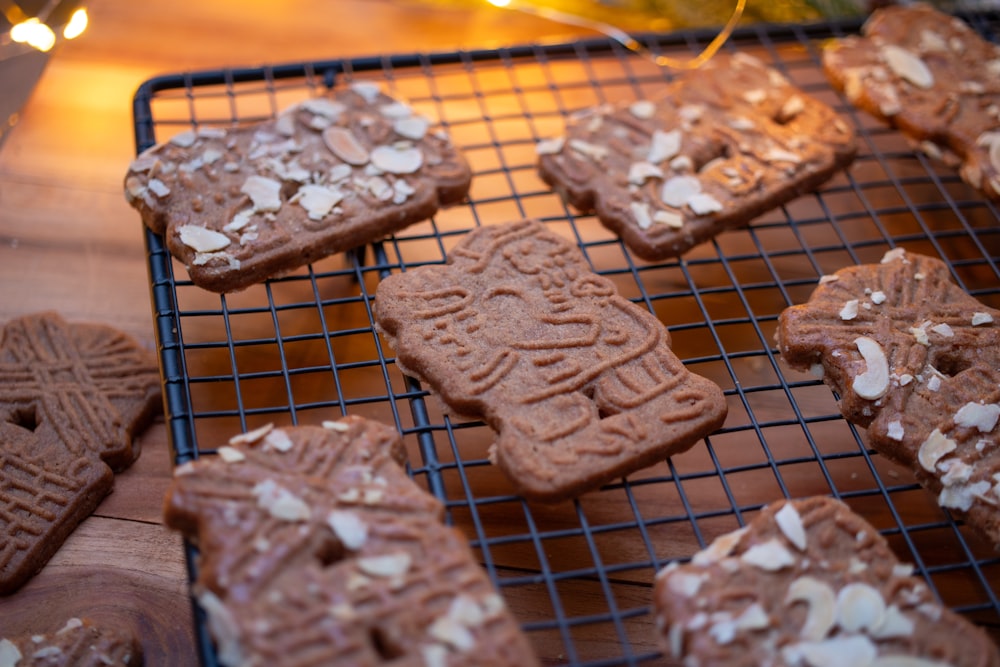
(72, 396)
(315, 548)
(930, 75)
(251, 202)
(809, 583)
(79, 643)
(579, 382)
(915, 360)
(715, 149)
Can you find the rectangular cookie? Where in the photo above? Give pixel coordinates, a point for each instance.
(916, 361)
(808, 583)
(930, 75)
(251, 202)
(315, 548)
(579, 383)
(718, 147)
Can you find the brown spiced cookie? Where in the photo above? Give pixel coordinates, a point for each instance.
(579, 382)
(720, 146)
(248, 203)
(916, 360)
(933, 77)
(79, 643)
(71, 398)
(809, 583)
(315, 548)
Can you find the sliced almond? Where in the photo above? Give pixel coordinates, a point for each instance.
(265, 193)
(907, 65)
(874, 382)
(790, 523)
(642, 109)
(593, 151)
(342, 143)
(669, 218)
(933, 449)
(349, 528)
(677, 191)
(720, 548)
(231, 454)
(318, 200)
(397, 159)
(983, 417)
(850, 310)
(664, 146)
(386, 565)
(413, 127)
(822, 602)
(550, 146)
(841, 651)
(200, 239)
(640, 212)
(981, 318)
(860, 607)
(770, 556)
(704, 204)
(640, 172)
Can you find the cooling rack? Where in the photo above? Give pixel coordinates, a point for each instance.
(302, 348)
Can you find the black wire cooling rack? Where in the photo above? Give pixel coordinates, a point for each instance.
(302, 348)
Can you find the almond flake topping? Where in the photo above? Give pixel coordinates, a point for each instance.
(639, 172)
(342, 427)
(981, 318)
(231, 454)
(280, 502)
(933, 449)
(10, 655)
(265, 193)
(770, 556)
(350, 529)
(790, 523)
(550, 146)
(983, 417)
(367, 90)
(679, 190)
(703, 204)
(669, 218)
(874, 382)
(907, 65)
(664, 146)
(200, 239)
(342, 143)
(860, 607)
(414, 127)
(158, 188)
(640, 211)
(386, 565)
(318, 200)
(895, 430)
(397, 159)
(277, 440)
(850, 310)
(643, 109)
(822, 602)
(593, 151)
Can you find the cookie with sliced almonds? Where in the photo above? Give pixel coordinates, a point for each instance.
(239, 205)
(809, 583)
(78, 643)
(316, 548)
(915, 360)
(930, 75)
(718, 147)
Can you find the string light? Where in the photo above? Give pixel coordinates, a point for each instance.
(33, 33)
(77, 24)
(627, 40)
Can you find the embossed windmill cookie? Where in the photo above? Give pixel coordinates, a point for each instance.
(240, 205)
(315, 548)
(916, 360)
(717, 148)
(579, 383)
(79, 643)
(809, 583)
(71, 398)
(930, 75)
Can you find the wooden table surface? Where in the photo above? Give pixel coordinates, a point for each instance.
(70, 243)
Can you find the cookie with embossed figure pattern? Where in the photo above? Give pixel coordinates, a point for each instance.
(915, 360)
(316, 548)
(579, 383)
(242, 204)
(717, 147)
(79, 643)
(809, 582)
(72, 396)
(933, 77)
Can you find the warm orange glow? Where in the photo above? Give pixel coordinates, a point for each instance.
(77, 24)
(34, 33)
(499, 3)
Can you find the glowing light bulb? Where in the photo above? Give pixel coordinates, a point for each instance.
(34, 33)
(499, 3)
(77, 24)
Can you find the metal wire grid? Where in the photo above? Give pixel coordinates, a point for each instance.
(302, 348)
